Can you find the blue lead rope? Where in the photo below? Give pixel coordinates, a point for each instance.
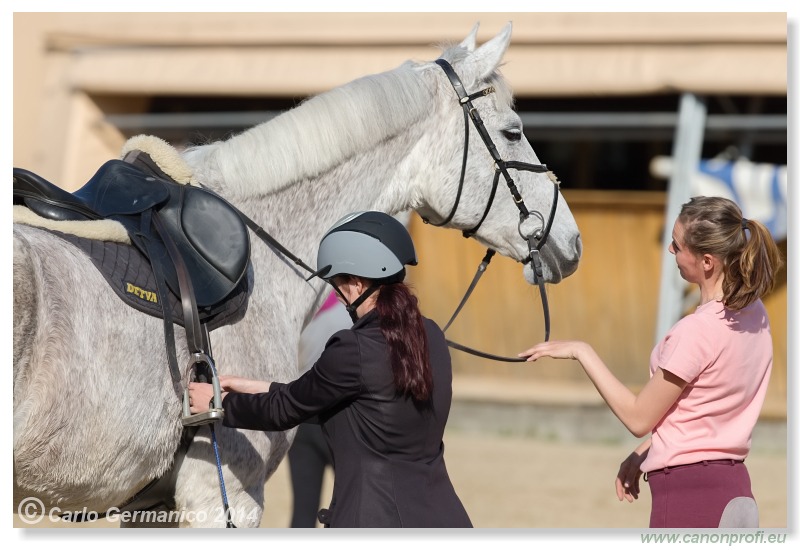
(228, 521)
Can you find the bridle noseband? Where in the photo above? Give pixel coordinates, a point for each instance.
(536, 239)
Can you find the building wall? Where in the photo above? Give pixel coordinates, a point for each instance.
(63, 61)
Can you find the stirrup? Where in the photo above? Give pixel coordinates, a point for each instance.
(215, 411)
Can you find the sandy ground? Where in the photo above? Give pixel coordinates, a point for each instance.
(516, 482)
(507, 482)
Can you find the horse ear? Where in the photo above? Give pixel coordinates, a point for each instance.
(469, 42)
(487, 58)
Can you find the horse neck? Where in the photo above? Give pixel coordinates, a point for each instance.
(298, 214)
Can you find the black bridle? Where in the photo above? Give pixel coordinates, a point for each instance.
(536, 239)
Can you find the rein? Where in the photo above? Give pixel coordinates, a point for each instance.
(536, 239)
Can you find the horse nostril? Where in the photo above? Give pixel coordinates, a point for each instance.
(578, 246)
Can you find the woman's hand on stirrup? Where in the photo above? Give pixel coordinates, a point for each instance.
(200, 396)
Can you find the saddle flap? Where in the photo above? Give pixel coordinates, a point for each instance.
(212, 240)
(216, 231)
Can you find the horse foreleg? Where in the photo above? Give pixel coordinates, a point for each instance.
(248, 459)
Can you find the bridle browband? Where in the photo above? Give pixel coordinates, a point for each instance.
(535, 239)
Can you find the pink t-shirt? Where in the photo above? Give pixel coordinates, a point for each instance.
(725, 356)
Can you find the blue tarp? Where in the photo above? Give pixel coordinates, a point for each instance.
(758, 189)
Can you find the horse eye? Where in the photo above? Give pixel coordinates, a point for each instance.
(512, 135)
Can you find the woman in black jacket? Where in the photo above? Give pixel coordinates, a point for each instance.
(381, 390)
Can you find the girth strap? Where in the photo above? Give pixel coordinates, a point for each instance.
(166, 310)
(191, 318)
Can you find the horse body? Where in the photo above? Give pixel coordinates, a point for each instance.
(95, 415)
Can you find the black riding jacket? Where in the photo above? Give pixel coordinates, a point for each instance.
(387, 451)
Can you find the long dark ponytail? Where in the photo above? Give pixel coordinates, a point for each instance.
(403, 327)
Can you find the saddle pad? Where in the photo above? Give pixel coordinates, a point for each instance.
(131, 276)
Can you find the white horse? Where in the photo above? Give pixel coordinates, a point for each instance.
(95, 414)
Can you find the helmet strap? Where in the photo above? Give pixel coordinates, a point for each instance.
(339, 292)
(351, 308)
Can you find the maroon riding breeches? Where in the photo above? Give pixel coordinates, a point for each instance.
(695, 495)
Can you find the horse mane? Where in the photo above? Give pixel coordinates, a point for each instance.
(320, 133)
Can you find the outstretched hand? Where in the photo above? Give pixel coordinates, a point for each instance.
(558, 349)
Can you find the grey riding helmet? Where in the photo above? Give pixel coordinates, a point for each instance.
(373, 245)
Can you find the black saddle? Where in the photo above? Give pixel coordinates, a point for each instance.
(207, 231)
(196, 243)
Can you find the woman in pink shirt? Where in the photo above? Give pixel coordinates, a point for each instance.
(708, 375)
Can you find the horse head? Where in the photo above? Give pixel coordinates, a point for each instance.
(470, 191)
